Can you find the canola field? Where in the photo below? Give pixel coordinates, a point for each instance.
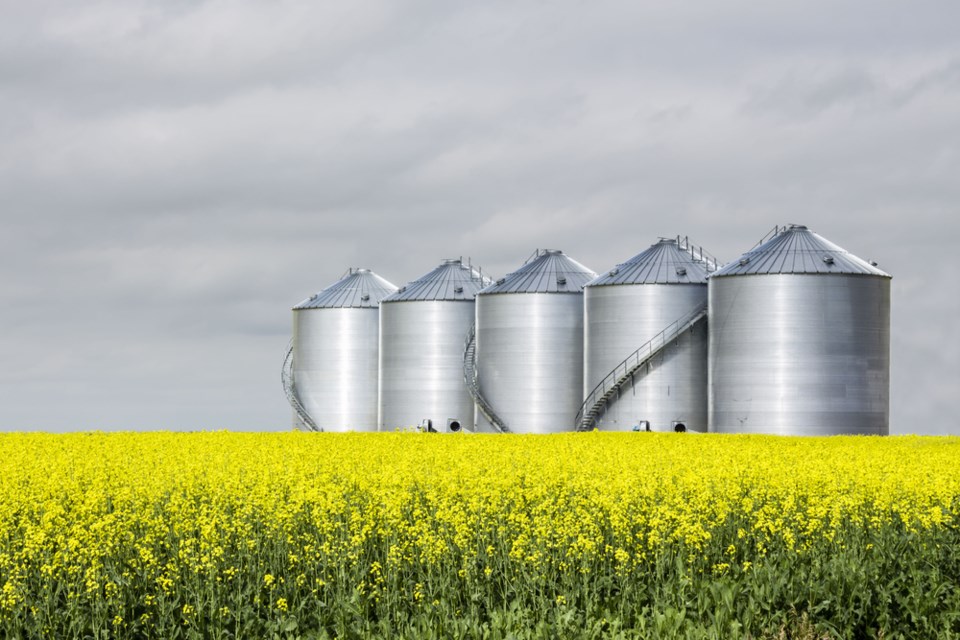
(634, 535)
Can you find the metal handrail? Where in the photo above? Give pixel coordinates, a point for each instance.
(473, 383)
(770, 234)
(290, 389)
(614, 380)
(698, 254)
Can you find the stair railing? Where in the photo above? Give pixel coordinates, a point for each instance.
(473, 384)
(290, 389)
(596, 401)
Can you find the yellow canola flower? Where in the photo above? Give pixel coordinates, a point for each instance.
(175, 509)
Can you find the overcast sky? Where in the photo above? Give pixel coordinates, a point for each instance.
(175, 175)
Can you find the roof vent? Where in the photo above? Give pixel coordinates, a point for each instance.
(458, 289)
(501, 280)
(365, 297)
(614, 271)
(744, 261)
(828, 259)
(561, 280)
(873, 263)
(681, 271)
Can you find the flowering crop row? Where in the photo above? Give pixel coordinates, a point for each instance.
(319, 535)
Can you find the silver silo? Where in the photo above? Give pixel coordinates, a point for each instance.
(799, 340)
(645, 342)
(333, 360)
(422, 330)
(529, 346)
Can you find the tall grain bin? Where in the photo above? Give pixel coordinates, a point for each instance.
(799, 340)
(422, 330)
(645, 342)
(529, 346)
(334, 354)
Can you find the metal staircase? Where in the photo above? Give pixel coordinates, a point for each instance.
(473, 385)
(290, 389)
(596, 402)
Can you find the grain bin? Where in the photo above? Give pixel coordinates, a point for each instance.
(645, 342)
(422, 330)
(333, 357)
(799, 340)
(528, 369)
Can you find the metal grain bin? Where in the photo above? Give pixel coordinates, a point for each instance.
(799, 340)
(529, 345)
(645, 342)
(334, 354)
(422, 330)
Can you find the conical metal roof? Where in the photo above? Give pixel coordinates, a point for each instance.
(796, 249)
(358, 289)
(548, 271)
(666, 262)
(452, 280)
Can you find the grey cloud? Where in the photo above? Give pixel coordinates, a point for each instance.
(173, 177)
(808, 95)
